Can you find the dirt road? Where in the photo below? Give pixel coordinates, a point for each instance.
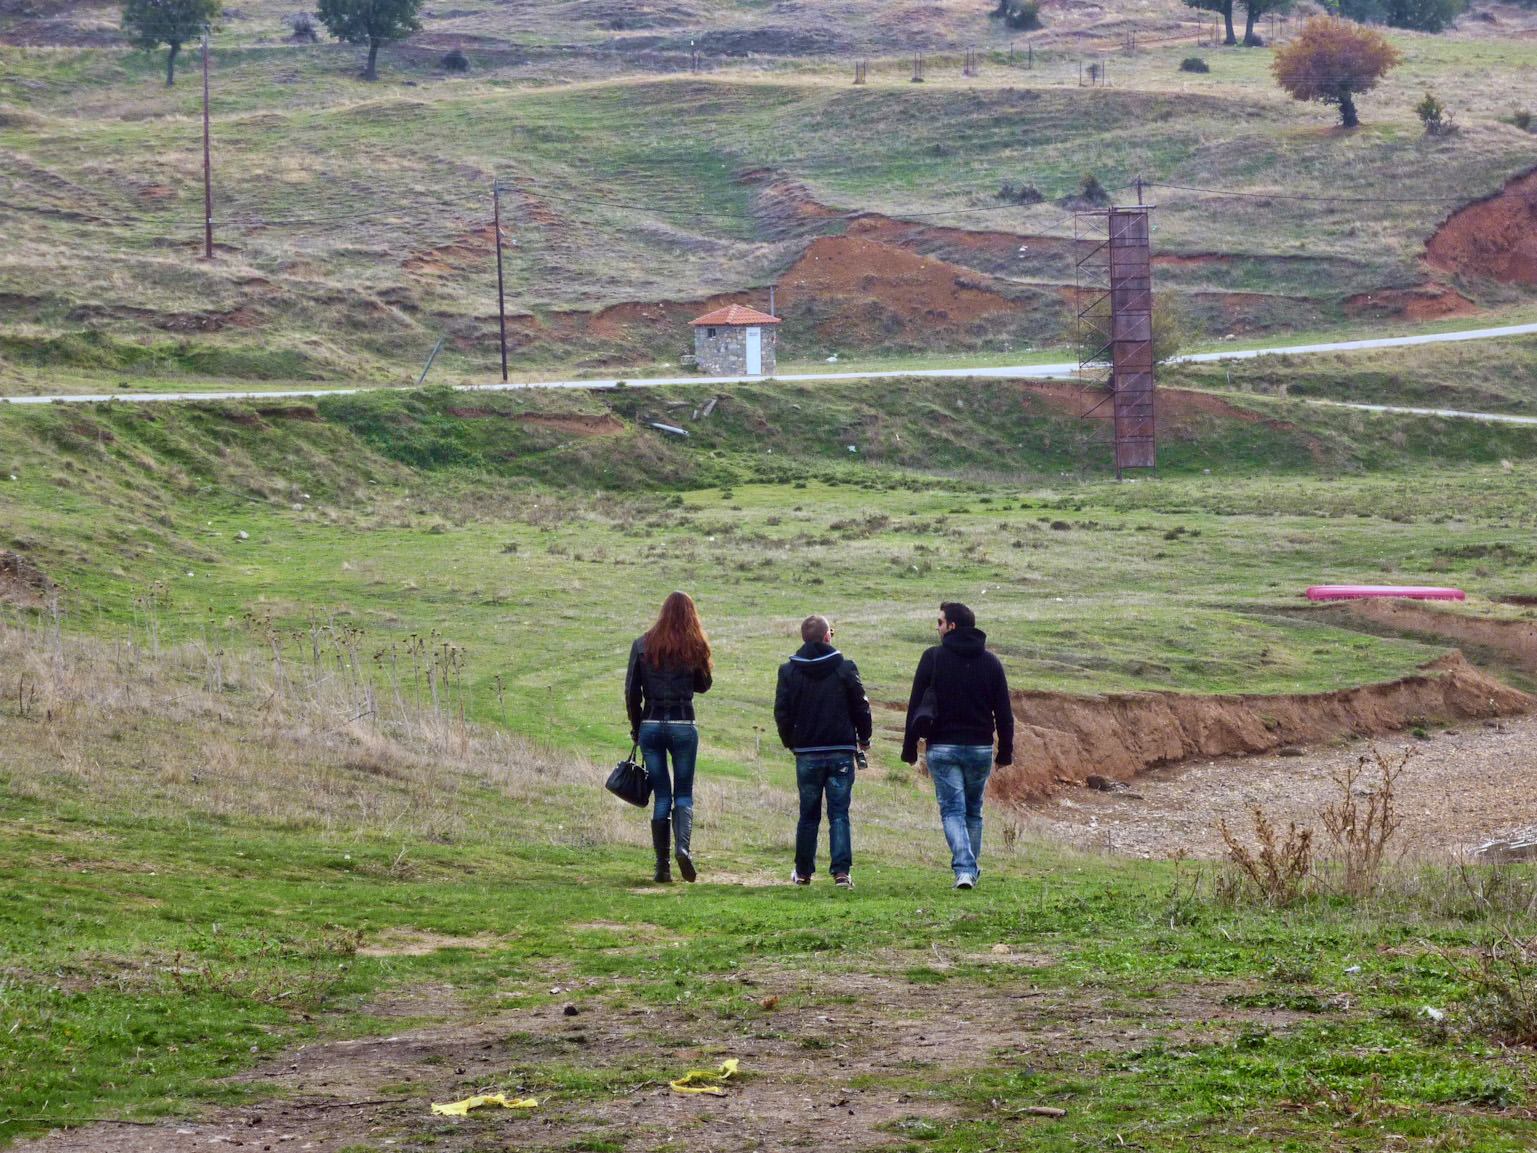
(1463, 786)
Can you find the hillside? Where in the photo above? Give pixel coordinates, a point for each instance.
(353, 221)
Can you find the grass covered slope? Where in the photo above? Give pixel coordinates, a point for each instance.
(354, 222)
(482, 523)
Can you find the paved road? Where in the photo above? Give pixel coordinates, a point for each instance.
(1029, 371)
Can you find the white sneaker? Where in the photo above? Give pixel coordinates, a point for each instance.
(965, 881)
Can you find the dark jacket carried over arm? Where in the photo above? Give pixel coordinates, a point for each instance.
(972, 694)
(820, 704)
(652, 694)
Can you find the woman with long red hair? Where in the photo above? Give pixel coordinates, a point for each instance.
(668, 665)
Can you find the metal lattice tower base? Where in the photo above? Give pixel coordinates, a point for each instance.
(1115, 328)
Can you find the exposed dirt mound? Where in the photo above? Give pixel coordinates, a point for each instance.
(1493, 237)
(1060, 739)
(22, 582)
(1180, 411)
(856, 269)
(575, 424)
(450, 259)
(1427, 302)
(1517, 639)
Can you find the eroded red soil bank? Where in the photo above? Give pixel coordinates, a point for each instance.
(1060, 739)
(1492, 237)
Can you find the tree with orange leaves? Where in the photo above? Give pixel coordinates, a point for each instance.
(1332, 60)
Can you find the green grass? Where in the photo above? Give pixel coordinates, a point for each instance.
(404, 514)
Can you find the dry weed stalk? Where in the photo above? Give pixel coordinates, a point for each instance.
(1363, 820)
(1503, 974)
(1280, 869)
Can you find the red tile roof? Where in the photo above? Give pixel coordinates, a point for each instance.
(737, 314)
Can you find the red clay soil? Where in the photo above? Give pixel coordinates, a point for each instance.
(1429, 301)
(1516, 639)
(450, 259)
(918, 288)
(1060, 739)
(1493, 237)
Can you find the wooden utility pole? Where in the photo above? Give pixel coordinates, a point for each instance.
(207, 161)
(501, 306)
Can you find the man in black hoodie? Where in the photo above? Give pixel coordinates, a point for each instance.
(968, 700)
(824, 718)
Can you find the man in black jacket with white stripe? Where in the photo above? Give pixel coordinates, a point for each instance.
(824, 718)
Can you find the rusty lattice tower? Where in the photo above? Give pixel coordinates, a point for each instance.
(1115, 328)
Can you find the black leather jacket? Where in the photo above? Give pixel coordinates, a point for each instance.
(652, 694)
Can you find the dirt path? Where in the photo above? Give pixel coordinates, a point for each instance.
(1465, 785)
(825, 1071)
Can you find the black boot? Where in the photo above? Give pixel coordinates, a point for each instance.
(660, 835)
(683, 831)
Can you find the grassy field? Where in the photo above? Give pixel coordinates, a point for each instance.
(300, 739)
(335, 781)
(308, 754)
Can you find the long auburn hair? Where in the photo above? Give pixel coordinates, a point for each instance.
(677, 640)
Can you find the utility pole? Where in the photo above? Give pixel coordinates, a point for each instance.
(207, 161)
(1139, 189)
(501, 306)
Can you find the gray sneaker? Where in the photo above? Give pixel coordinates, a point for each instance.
(965, 881)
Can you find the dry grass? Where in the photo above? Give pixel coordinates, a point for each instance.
(231, 734)
(237, 735)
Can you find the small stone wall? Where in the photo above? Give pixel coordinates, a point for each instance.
(725, 354)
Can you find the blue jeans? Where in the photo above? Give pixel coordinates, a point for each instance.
(960, 775)
(657, 740)
(832, 773)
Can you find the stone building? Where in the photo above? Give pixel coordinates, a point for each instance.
(735, 341)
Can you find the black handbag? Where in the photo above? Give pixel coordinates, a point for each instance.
(925, 714)
(629, 781)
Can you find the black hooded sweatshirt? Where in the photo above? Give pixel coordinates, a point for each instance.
(972, 694)
(820, 705)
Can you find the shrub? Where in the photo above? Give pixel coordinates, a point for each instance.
(1522, 119)
(1019, 194)
(1023, 14)
(1194, 64)
(1434, 116)
(1277, 872)
(454, 61)
(302, 27)
(1504, 975)
(1420, 15)
(1363, 820)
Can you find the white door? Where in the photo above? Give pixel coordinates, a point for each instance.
(755, 352)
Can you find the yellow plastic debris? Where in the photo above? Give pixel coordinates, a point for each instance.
(460, 1108)
(690, 1081)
